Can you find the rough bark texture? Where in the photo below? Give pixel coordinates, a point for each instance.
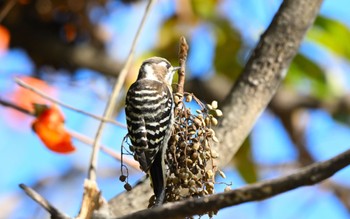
(264, 72)
(257, 84)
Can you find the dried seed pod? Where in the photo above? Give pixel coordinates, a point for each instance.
(189, 151)
(122, 178)
(127, 187)
(177, 99)
(193, 190)
(211, 132)
(214, 121)
(189, 161)
(210, 185)
(215, 139)
(222, 174)
(183, 144)
(191, 183)
(214, 104)
(194, 156)
(207, 120)
(195, 146)
(214, 154)
(209, 107)
(218, 113)
(189, 98)
(209, 174)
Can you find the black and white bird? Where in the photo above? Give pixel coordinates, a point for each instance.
(149, 116)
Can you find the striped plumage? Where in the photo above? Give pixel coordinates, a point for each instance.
(149, 116)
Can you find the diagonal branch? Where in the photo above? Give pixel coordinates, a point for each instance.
(309, 175)
(55, 213)
(263, 73)
(49, 98)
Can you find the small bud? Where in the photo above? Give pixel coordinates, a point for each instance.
(209, 174)
(189, 98)
(222, 174)
(214, 121)
(214, 104)
(214, 154)
(176, 99)
(209, 107)
(210, 185)
(218, 113)
(195, 146)
(215, 139)
(197, 121)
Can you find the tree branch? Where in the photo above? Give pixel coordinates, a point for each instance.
(309, 175)
(55, 213)
(263, 73)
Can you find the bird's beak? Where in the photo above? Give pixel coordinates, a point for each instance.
(176, 68)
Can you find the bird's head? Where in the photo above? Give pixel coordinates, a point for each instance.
(158, 69)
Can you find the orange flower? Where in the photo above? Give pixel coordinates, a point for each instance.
(49, 126)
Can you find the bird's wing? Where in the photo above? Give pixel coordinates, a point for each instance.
(148, 116)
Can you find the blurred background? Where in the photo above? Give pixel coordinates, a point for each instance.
(73, 50)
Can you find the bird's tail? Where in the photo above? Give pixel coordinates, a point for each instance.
(157, 172)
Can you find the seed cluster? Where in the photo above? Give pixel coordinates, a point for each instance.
(190, 154)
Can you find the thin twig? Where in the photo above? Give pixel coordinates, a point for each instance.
(78, 136)
(55, 213)
(112, 100)
(47, 97)
(7, 8)
(83, 138)
(183, 50)
(16, 107)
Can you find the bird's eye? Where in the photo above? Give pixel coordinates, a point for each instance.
(168, 65)
(165, 64)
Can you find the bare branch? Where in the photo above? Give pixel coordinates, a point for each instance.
(7, 8)
(183, 50)
(55, 213)
(263, 73)
(47, 97)
(126, 160)
(309, 175)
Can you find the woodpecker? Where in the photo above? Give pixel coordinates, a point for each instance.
(149, 116)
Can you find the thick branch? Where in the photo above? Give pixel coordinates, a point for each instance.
(254, 89)
(264, 72)
(310, 175)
